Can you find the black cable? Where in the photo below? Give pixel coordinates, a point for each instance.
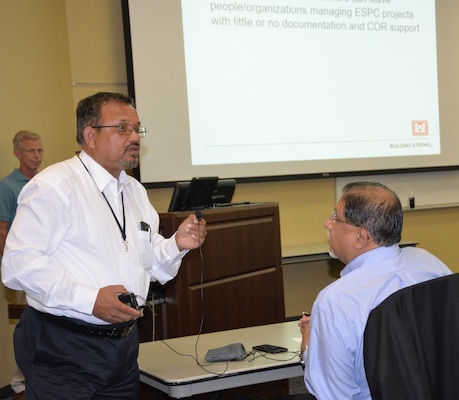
(201, 324)
(252, 354)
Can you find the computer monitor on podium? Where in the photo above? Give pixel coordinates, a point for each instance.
(223, 192)
(200, 193)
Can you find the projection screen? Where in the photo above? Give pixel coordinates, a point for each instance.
(258, 90)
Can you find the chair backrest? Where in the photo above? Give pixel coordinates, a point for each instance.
(411, 343)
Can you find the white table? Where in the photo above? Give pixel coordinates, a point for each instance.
(179, 375)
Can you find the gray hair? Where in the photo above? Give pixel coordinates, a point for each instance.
(24, 135)
(376, 208)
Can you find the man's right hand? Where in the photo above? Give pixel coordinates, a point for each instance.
(110, 309)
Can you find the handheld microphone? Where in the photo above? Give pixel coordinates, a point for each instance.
(198, 214)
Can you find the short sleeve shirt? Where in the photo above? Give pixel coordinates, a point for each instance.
(10, 187)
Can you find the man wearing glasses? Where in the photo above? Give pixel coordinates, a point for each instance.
(84, 234)
(364, 231)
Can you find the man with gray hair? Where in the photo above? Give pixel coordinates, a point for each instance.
(363, 230)
(28, 149)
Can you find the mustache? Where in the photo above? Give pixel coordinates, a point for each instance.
(133, 146)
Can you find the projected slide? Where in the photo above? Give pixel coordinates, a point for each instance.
(277, 80)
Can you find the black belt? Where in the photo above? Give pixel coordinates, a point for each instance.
(115, 331)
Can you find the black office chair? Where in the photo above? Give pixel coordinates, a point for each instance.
(411, 343)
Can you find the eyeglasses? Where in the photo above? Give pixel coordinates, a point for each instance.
(333, 217)
(125, 129)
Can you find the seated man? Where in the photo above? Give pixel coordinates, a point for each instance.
(364, 231)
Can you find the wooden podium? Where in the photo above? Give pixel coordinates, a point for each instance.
(241, 271)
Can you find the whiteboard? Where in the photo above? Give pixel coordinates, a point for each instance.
(430, 189)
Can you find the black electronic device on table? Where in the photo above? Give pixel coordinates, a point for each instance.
(269, 348)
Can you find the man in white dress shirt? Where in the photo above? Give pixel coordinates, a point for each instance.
(85, 232)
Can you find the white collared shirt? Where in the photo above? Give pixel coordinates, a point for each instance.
(64, 243)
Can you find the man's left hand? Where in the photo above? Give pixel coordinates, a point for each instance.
(191, 233)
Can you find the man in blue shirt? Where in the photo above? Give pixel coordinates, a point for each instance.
(364, 230)
(28, 149)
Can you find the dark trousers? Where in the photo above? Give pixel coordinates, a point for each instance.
(59, 363)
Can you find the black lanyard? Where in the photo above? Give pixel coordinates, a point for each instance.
(121, 228)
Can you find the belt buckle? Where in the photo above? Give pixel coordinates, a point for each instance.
(121, 333)
(126, 331)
